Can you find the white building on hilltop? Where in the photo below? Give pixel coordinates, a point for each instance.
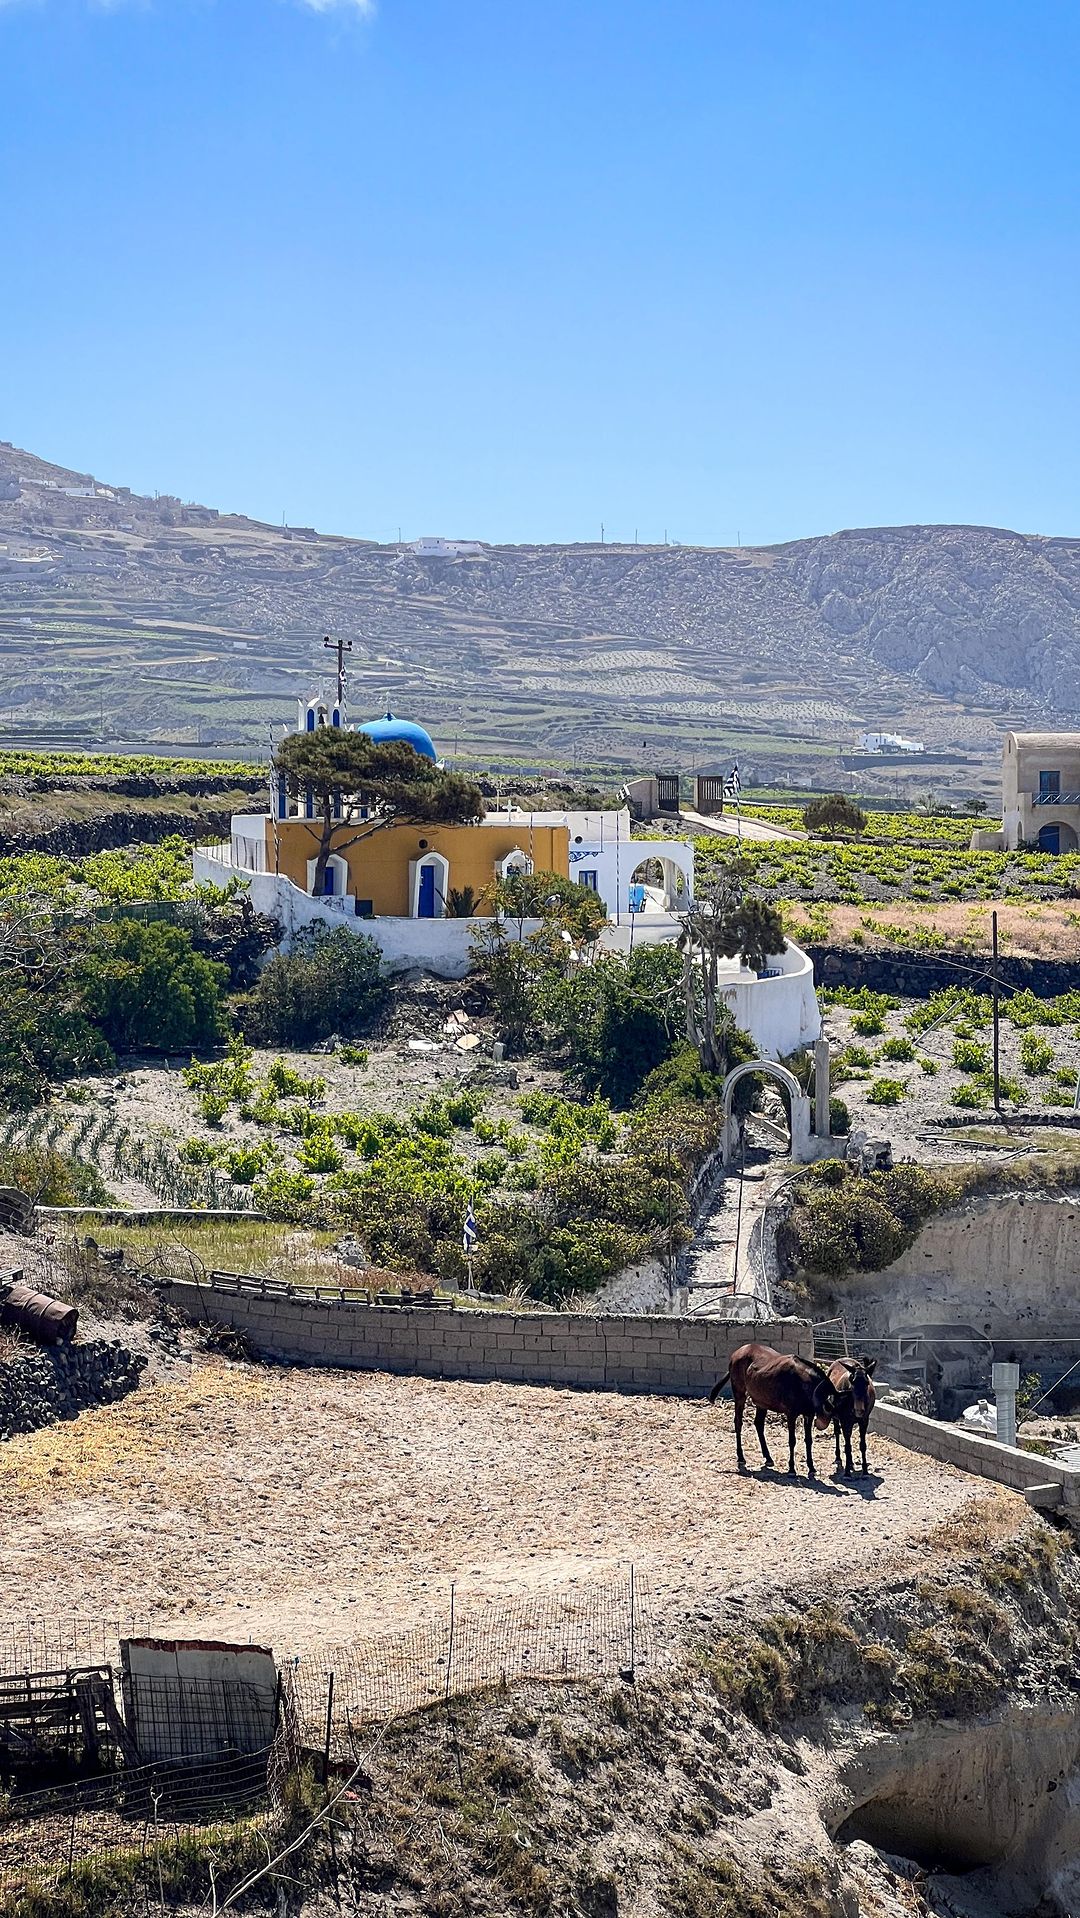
(431, 546)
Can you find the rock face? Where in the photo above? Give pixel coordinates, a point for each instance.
(45, 1386)
(966, 609)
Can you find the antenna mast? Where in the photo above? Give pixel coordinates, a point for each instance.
(341, 647)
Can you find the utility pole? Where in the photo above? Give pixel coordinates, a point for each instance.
(601, 532)
(341, 647)
(996, 997)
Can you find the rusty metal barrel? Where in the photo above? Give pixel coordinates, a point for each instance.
(47, 1320)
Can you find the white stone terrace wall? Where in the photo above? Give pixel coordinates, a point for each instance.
(780, 1014)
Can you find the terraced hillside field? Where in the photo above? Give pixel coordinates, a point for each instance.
(143, 620)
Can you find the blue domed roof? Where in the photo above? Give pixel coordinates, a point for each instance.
(402, 729)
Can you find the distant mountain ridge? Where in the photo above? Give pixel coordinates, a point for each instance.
(784, 653)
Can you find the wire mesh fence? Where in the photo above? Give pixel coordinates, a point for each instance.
(64, 1641)
(135, 1815)
(599, 1629)
(204, 1792)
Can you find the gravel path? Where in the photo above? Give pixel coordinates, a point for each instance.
(305, 1507)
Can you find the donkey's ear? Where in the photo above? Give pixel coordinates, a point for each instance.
(869, 1367)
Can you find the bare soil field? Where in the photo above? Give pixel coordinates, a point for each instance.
(301, 1508)
(1027, 930)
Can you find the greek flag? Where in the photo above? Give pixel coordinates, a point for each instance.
(468, 1232)
(733, 786)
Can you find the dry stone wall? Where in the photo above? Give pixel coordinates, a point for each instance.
(40, 1387)
(684, 1357)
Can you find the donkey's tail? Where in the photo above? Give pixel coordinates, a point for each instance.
(718, 1388)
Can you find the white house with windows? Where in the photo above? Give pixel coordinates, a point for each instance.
(645, 879)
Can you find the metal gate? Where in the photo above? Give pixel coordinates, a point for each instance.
(667, 792)
(709, 794)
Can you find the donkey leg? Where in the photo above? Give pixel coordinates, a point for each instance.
(849, 1467)
(808, 1439)
(740, 1406)
(759, 1421)
(863, 1423)
(791, 1442)
(836, 1436)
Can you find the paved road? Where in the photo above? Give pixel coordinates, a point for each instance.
(755, 829)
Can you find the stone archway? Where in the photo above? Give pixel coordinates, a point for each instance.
(801, 1150)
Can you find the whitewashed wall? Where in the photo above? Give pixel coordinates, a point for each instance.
(780, 1014)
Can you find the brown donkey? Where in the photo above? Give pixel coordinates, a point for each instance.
(776, 1382)
(853, 1382)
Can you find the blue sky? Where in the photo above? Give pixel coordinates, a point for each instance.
(513, 269)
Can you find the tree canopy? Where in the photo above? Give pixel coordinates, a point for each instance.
(834, 812)
(348, 772)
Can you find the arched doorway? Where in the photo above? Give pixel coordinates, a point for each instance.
(429, 882)
(660, 883)
(335, 883)
(1057, 836)
(799, 1106)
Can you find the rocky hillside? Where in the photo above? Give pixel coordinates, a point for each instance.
(143, 619)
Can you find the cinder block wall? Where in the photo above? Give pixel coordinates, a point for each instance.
(679, 1356)
(972, 1452)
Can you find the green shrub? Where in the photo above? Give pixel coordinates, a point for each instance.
(491, 1168)
(284, 1195)
(463, 1105)
(969, 1056)
(839, 1118)
(52, 1177)
(616, 1020)
(284, 1080)
(213, 1106)
(1036, 1055)
(868, 1024)
(243, 1163)
(886, 1092)
(953, 1003)
(147, 989)
(846, 1221)
(319, 1154)
(353, 1055)
(566, 1121)
(898, 1050)
(972, 1096)
(833, 813)
(330, 982)
(930, 1067)
(859, 1056)
(198, 1152)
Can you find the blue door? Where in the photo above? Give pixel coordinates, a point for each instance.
(425, 905)
(328, 881)
(1050, 839)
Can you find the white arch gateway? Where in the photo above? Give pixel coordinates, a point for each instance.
(801, 1149)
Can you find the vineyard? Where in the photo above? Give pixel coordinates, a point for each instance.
(935, 1054)
(122, 875)
(862, 872)
(913, 828)
(49, 766)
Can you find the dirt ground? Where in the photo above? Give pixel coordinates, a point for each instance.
(304, 1507)
(1029, 929)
